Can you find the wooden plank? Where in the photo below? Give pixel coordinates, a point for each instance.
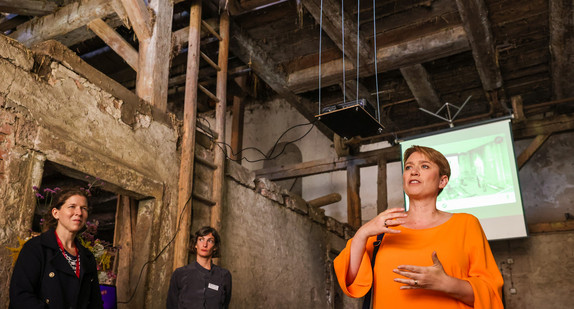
(421, 87)
(220, 117)
(28, 7)
(364, 159)
(115, 42)
(551, 227)
(477, 26)
(140, 18)
(434, 46)
(531, 128)
(185, 184)
(562, 48)
(382, 196)
(325, 200)
(237, 124)
(353, 197)
(154, 52)
(141, 253)
(123, 238)
(531, 149)
(62, 21)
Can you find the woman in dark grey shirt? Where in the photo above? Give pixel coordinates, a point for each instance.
(201, 284)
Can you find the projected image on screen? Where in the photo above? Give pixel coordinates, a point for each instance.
(479, 176)
(484, 178)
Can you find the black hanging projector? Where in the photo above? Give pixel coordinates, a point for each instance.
(351, 118)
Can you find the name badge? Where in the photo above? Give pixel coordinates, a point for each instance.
(213, 286)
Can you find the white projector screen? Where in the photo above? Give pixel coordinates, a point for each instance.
(484, 178)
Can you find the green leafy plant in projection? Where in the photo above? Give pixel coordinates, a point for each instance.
(103, 251)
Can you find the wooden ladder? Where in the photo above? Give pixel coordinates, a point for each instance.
(187, 194)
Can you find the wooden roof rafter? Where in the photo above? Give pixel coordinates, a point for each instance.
(475, 20)
(562, 48)
(249, 51)
(139, 17)
(62, 21)
(115, 41)
(28, 7)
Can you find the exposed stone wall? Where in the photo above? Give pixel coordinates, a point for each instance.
(278, 249)
(62, 117)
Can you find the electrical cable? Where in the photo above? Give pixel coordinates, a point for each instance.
(266, 157)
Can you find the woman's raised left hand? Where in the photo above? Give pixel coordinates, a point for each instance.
(435, 278)
(422, 277)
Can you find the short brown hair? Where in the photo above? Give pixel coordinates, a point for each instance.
(206, 230)
(433, 155)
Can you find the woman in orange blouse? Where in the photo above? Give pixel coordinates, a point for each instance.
(427, 257)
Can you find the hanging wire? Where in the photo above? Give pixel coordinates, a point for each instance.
(320, 40)
(375, 56)
(343, 37)
(358, 40)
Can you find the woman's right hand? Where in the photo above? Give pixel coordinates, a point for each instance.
(383, 222)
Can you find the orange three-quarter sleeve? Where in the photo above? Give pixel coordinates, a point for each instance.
(483, 275)
(364, 279)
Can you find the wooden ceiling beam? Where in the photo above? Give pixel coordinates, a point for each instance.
(115, 42)
(437, 45)
(239, 7)
(28, 7)
(139, 17)
(562, 48)
(473, 15)
(249, 51)
(421, 87)
(62, 21)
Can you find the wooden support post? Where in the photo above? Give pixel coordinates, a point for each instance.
(325, 200)
(237, 124)
(153, 66)
(126, 214)
(353, 197)
(185, 186)
(220, 110)
(517, 108)
(382, 197)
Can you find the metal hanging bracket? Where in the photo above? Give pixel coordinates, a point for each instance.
(448, 107)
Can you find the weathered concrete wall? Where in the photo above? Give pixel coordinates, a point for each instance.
(278, 249)
(62, 117)
(538, 270)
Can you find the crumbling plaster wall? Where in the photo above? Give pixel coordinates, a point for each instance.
(62, 117)
(278, 249)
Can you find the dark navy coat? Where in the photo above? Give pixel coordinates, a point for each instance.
(43, 278)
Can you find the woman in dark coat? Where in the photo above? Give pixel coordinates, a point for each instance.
(54, 270)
